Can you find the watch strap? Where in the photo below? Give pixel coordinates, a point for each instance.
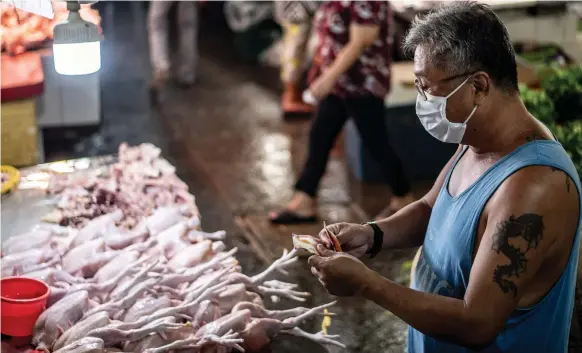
(378, 240)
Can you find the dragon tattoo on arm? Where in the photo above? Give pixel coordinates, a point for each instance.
(530, 227)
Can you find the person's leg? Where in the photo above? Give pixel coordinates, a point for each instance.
(329, 120)
(188, 42)
(294, 50)
(368, 114)
(158, 24)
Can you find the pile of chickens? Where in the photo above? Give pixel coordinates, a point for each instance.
(139, 183)
(21, 30)
(156, 283)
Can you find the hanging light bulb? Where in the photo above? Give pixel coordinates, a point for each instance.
(76, 44)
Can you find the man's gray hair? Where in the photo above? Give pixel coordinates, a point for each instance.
(465, 37)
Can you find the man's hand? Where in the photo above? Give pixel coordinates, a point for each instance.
(341, 274)
(322, 86)
(355, 239)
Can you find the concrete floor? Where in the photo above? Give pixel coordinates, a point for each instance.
(229, 143)
(231, 132)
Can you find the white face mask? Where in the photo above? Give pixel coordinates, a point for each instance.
(433, 116)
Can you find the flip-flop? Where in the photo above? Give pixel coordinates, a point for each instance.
(290, 217)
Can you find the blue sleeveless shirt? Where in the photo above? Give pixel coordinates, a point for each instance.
(445, 261)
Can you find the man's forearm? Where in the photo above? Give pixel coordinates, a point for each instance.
(434, 315)
(407, 227)
(345, 59)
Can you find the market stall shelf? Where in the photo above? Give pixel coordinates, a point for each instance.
(129, 267)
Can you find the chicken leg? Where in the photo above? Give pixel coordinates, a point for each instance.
(287, 259)
(52, 323)
(80, 329)
(113, 336)
(121, 291)
(259, 332)
(84, 345)
(258, 311)
(319, 337)
(127, 301)
(194, 344)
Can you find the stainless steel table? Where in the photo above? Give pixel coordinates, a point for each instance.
(24, 206)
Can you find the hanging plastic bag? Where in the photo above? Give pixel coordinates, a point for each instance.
(241, 15)
(39, 7)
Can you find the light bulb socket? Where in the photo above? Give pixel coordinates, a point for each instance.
(75, 29)
(73, 6)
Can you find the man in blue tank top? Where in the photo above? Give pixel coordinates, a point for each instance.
(500, 228)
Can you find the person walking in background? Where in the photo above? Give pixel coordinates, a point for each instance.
(350, 78)
(296, 18)
(158, 28)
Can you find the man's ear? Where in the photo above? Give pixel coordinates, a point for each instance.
(482, 85)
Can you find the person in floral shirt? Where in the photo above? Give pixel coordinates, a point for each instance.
(350, 78)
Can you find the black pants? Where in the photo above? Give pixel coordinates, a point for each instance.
(368, 114)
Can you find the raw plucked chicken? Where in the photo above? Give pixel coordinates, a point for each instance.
(137, 274)
(21, 30)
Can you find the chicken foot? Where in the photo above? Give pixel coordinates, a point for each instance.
(195, 235)
(259, 311)
(277, 265)
(191, 275)
(192, 293)
(259, 332)
(281, 289)
(295, 321)
(194, 344)
(319, 337)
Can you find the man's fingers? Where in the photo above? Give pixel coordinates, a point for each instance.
(315, 272)
(358, 252)
(315, 261)
(324, 237)
(323, 251)
(335, 229)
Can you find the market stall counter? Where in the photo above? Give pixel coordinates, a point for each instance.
(34, 96)
(128, 267)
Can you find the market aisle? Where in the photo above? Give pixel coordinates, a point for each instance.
(229, 129)
(227, 140)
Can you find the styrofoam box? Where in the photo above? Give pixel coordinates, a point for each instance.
(68, 100)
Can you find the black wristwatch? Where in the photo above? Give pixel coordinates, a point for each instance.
(378, 240)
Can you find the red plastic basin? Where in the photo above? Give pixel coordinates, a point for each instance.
(22, 302)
